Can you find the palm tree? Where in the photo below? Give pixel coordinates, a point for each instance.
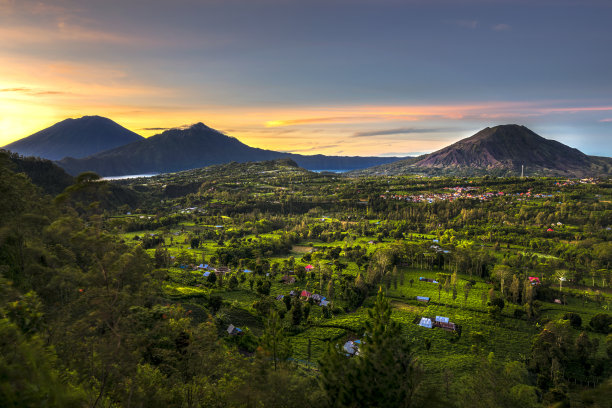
(561, 275)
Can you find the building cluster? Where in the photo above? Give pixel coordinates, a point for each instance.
(457, 193)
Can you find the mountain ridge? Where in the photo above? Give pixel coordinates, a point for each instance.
(197, 146)
(76, 138)
(500, 150)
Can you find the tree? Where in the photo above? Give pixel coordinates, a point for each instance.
(574, 319)
(561, 275)
(330, 290)
(263, 306)
(212, 278)
(466, 292)
(503, 273)
(273, 341)
(447, 285)
(162, 257)
(497, 385)
(233, 282)
(496, 305)
(385, 373)
(306, 311)
(296, 312)
(287, 301)
(214, 303)
(515, 288)
(601, 323)
(29, 374)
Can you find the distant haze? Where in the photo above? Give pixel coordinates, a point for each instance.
(335, 77)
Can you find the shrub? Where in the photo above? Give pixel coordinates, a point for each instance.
(574, 319)
(601, 323)
(519, 313)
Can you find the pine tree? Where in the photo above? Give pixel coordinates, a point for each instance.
(273, 340)
(385, 373)
(296, 314)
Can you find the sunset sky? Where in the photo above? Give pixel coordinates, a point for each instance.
(348, 77)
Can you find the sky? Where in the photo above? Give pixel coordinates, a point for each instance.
(342, 77)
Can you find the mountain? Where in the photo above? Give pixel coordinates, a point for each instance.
(74, 138)
(198, 146)
(501, 150)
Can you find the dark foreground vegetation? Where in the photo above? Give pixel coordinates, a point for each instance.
(265, 285)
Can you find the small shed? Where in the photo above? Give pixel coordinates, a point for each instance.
(351, 347)
(288, 279)
(316, 297)
(422, 299)
(426, 322)
(233, 330)
(448, 326)
(222, 270)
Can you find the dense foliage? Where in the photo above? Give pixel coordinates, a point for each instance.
(108, 296)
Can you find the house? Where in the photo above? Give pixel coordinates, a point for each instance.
(233, 330)
(448, 326)
(422, 299)
(206, 274)
(534, 280)
(288, 279)
(309, 267)
(293, 293)
(280, 297)
(351, 348)
(222, 270)
(306, 294)
(426, 322)
(248, 271)
(441, 319)
(324, 303)
(316, 297)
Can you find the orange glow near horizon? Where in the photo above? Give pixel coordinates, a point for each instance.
(30, 107)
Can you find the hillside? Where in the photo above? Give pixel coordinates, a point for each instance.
(198, 146)
(500, 150)
(43, 173)
(74, 138)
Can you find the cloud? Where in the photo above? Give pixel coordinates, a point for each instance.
(501, 27)
(155, 128)
(17, 36)
(15, 90)
(471, 24)
(495, 110)
(396, 131)
(42, 93)
(313, 148)
(606, 120)
(30, 91)
(306, 121)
